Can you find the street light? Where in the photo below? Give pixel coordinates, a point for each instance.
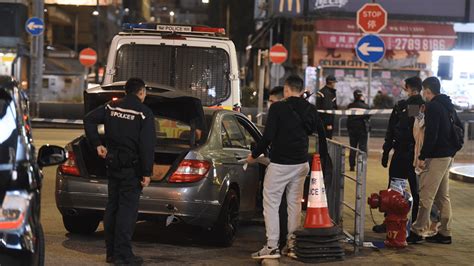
(171, 17)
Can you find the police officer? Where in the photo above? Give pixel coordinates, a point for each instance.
(358, 127)
(129, 154)
(326, 100)
(399, 137)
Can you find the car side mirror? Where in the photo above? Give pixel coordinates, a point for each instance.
(51, 155)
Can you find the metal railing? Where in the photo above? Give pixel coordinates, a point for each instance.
(468, 147)
(336, 190)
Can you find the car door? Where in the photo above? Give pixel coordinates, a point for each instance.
(252, 136)
(235, 146)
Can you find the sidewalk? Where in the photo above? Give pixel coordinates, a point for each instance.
(465, 155)
(458, 253)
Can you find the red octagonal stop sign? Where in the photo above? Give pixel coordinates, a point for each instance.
(371, 18)
(88, 57)
(278, 54)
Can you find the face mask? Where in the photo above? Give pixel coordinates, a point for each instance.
(404, 94)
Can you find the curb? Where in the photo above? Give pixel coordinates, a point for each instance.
(57, 121)
(460, 173)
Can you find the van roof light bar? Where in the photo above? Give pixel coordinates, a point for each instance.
(165, 28)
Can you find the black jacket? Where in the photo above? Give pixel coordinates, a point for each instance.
(129, 125)
(358, 123)
(326, 100)
(438, 134)
(399, 133)
(285, 130)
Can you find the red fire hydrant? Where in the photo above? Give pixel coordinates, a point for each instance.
(397, 208)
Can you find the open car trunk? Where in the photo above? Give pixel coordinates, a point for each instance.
(177, 119)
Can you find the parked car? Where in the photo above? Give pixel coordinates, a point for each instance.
(21, 234)
(200, 181)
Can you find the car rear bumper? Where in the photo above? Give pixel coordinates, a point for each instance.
(77, 196)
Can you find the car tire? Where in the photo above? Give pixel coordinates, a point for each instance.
(83, 225)
(228, 221)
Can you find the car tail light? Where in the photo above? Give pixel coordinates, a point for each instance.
(13, 210)
(190, 171)
(69, 167)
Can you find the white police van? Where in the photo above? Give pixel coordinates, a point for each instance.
(197, 60)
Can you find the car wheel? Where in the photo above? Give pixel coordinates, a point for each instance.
(80, 224)
(228, 221)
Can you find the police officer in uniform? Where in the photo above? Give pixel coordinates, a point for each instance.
(358, 127)
(326, 100)
(129, 154)
(399, 137)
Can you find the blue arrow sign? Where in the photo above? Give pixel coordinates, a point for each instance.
(370, 48)
(34, 26)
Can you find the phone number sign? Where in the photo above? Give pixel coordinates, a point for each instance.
(391, 42)
(419, 44)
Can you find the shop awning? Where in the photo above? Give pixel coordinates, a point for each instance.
(398, 35)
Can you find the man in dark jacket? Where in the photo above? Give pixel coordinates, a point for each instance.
(399, 137)
(358, 127)
(129, 154)
(288, 125)
(436, 157)
(326, 100)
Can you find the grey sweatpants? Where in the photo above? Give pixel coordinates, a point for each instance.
(277, 178)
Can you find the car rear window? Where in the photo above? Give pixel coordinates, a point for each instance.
(171, 129)
(198, 71)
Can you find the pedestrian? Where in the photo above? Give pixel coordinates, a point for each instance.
(382, 101)
(276, 95)
(326, 100)
(419, 135)
(399, 137)
(288, 125)
(129, 154)
(436, 157)
(358, 127)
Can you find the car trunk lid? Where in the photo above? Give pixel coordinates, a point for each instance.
(177, 119)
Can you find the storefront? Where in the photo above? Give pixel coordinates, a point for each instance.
(409, 47)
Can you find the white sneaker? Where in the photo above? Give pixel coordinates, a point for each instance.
(266, 253)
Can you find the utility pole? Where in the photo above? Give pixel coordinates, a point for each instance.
(262, 56)
(97, 65)
(36, 67)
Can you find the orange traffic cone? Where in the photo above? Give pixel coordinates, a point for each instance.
(317, 213)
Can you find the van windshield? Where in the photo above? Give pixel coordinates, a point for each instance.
(200, 72)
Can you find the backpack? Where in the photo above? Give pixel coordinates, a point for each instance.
(457, 132)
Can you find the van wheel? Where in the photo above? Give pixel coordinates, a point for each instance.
(80, 224)
(228, 221)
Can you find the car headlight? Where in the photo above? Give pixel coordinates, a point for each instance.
(13, 210)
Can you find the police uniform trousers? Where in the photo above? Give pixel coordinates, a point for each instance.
(124, 189)
(357, 139)
(401, 166)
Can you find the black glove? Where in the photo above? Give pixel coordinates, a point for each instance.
(385, 159)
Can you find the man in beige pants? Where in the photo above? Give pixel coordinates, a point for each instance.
(435, 159)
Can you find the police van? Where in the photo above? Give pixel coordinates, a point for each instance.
(196, 60)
